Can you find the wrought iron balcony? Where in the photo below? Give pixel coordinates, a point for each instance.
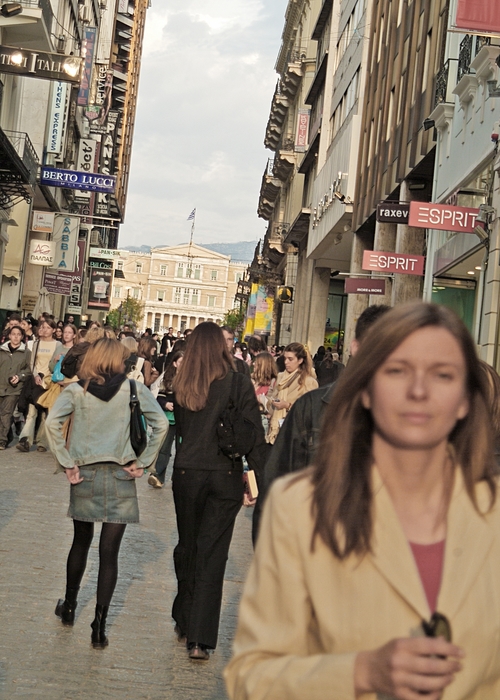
(470, 46)
(445, 83)
(18, 168)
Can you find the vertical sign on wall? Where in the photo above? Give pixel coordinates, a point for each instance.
(88, 48)
(302, 134)
(57, 113)
(65, 236)
(85, 163)
(107, 161)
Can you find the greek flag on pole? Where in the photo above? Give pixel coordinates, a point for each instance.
(192, 215)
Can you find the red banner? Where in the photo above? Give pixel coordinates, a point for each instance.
(443, 217)
(478, 16)
(382, 261)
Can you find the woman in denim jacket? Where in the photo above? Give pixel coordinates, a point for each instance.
(101, 467)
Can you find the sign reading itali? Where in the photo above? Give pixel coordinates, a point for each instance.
(76, 180)
(443, 217)
(40, 64)
(382, 261)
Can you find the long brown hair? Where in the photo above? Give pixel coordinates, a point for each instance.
(265, 369)
(301, 353)
(205, 360)
(103, 358)
(341, 475)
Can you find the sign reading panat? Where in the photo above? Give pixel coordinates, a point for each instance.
(393, 212)
(364, 286)
(443, 217)
(40, 64)
(77, 180)
(383, 261)
(41, 252)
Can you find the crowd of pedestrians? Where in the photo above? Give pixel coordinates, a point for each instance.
(388, 469)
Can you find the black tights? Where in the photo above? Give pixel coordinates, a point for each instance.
(109, 546)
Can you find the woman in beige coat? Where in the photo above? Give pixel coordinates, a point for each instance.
(297, 379)
(376, 570)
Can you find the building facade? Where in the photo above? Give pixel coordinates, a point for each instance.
(180, 286)
(75, 118)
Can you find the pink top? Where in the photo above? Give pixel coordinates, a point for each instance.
(429, 559)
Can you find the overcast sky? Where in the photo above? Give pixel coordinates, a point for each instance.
(207, 80)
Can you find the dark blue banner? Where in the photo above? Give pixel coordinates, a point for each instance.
(75, 180)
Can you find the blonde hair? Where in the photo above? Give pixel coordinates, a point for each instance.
(130, 343)
(103, 358)
(94, 333)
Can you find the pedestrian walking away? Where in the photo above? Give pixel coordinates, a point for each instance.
(101, 466)
(207, 485)
(166, 399)
(376, 570)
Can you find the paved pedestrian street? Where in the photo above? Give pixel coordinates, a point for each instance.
(42, 659)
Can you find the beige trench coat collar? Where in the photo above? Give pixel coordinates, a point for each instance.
(468, 535)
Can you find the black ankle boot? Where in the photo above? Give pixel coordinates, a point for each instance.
(65, 609)
(99, 639)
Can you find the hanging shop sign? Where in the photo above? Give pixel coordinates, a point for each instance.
(364, 286)
(57, 282)
(393, 212)
(41, 252)
(56, 122)
(40, 64)
(107, 161)
(477, 16)
(77, 180)
(302, 133)
(85, 163)
(43, 221)
(107, 254)
(88, 48)
(100, 288)
(443, 217)
(383, 261)
(75, 297)
(65, 238)
(97, 264)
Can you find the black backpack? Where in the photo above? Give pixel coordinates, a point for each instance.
(235, 434)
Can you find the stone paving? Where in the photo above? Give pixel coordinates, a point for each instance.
(42, 659)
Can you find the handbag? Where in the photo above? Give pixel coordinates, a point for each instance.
(138, 425)
(57, 375)
(235, 434)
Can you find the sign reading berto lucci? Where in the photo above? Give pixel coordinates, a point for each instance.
(76, 180)
(382, 261)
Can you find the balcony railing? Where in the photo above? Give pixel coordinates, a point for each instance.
(446, 82)
(470, 46)
(24, 149)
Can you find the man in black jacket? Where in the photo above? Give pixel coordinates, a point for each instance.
(298, 437)
(241, 365)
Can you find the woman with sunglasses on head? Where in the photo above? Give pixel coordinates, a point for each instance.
(376, 569)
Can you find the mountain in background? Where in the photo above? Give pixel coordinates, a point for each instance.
(242, 251)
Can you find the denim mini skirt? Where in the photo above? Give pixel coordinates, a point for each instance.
(107, 494)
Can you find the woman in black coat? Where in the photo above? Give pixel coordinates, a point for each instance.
(207, 486)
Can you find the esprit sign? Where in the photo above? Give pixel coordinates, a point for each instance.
(393, 212)
(393, 262)
(443, 217)
(76, 180)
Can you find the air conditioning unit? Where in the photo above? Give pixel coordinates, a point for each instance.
(85, 14)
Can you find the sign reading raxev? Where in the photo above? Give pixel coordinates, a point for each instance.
(383, 261)
(443, 217)
(77, 180)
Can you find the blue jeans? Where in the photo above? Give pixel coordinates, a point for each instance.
(165, 453)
